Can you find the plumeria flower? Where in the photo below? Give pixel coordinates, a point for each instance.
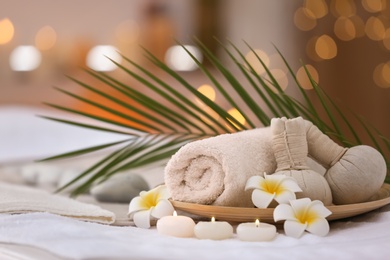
(153, 203)
(303, 214)
(281, 188)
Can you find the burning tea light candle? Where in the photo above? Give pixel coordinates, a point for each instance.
(256, 231)
(216, 230)
(176, 226)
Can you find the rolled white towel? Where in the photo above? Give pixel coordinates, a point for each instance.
(214, 171)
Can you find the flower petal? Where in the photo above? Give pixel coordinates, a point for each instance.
(163, 208)
(136, 204)
(289, 183)
(284, 211)
(142, 219)
(254, 182)
(294, 228)
(262, 199)
(320, 209)
(300, 205)
(162, 192)
(285, 196)
(319, 227)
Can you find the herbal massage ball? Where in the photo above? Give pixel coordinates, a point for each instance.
(354, 174)
(290, 149)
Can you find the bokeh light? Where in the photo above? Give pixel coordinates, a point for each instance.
(311, 49)
(127, 32)
(303, 78)
(346, 8)
(381, 75)
(45, 38)
(359, 25)
(253, 59)
(326, 47)
(375, 30)
(97, 58)
(318, 8)
(6, 31)
(374, 6)
(178, 59)
(386, 39)
(304, 19)
(280, 77)
(25, 58)
(344, 29)
(207, 91)
(237, 115)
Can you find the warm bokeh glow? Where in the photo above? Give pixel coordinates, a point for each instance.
(304, 19)
(326, 47)
(374, 6)
(127, 32)
(280, 77)
(318, 8)
(207, 91)
(253, 59)
(359, 25)
(303, 78)
(25, 58)
(6, 31)
(237, 115)
(381, 75)
(386, 39)
(344, 29)
(178, 59)
(375, 29)
(97, 58)
(346, 8)
(45, 38)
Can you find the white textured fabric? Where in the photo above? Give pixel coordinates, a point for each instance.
(21, 199)
(363, 237)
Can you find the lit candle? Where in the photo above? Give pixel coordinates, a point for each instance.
(256, 231)
(216, 230)
(176, 226)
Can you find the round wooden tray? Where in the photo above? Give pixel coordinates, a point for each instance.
(238, 214)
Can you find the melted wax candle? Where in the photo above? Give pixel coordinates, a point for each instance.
(256, 231)
(215, 230)
(176, 226)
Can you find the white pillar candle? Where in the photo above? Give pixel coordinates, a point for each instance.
(176, 226)
(256, 231)
(216, 230)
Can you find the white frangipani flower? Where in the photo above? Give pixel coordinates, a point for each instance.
(303, 214)
(272, 187)
(153, 203)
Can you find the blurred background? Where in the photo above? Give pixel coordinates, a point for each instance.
(345, 44)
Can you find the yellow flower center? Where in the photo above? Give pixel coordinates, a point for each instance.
(306, 216)
(150, 199)
(272, 186)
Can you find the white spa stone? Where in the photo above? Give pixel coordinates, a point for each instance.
(215, 230)
(176, 226)
(256, 231)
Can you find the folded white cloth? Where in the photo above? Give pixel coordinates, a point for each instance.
(215, 170)
(22, 199)
(363, 237)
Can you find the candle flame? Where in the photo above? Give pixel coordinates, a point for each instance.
(212, 219)
(174, 213)
(257, 223)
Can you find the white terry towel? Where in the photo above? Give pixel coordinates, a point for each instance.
(16, 199)
(214, 171)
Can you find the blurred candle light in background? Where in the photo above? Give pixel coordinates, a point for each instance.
(178, 59)
(97, 58)
(318, 8)
(237, 115)
(207, 91)
(304, 19)
(253, 59)
(25, 58)
(381, 75)
(45, 38)
(326, 47)
(344, 29)
(6, 31)
(374, 6)
(375, 29)
(303, 79)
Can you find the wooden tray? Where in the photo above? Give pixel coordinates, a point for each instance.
(238, 214)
